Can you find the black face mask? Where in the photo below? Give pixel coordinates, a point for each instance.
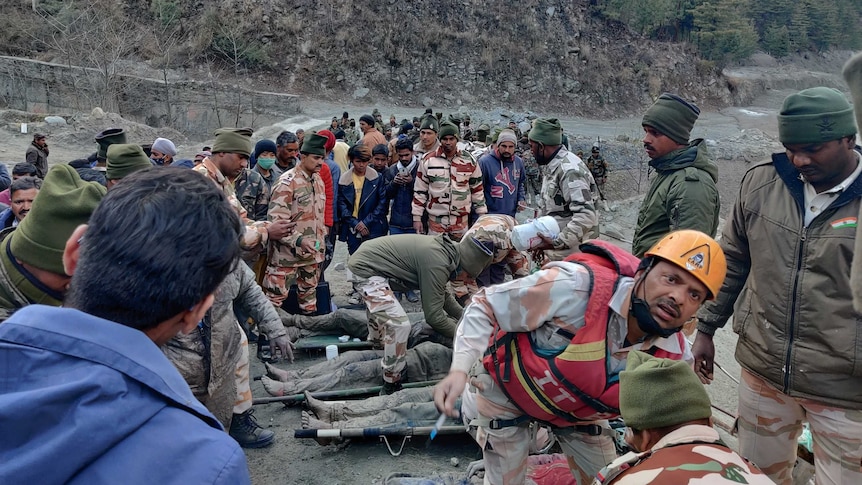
(640, 309)
(646, 322)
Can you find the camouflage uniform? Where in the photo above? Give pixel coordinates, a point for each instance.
(534, 173)
(769, 418)
(690, 454)
(255, 235)
(361, 368)
(496, 228)
(300, 198)
(599, 169)
(542, 303)
(253, 193)
(420, 152)
(448, 191)
(567, 188)
(351, 136)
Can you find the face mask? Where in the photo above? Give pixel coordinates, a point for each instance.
(158, 161)
(646, 322)
(266, 163)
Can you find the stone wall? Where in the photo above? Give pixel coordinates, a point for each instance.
(192, 107)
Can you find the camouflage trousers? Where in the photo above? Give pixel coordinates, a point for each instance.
(505, 450)
(456, 230)
(241, 377)
(278, 279)
(388, 326)
(770, 422)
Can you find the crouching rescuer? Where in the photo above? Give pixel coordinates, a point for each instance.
(549, 347)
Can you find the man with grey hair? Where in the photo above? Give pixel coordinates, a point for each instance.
(286, 154)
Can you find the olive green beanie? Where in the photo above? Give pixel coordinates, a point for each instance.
(475, 255)
(107, 138)
(547, 131)
(815, 115)
(314, 144)
(233, 140)
(448, 128)
(125, 159)
(655, 393)
(64, 202)
(430, 123)
(672, 116)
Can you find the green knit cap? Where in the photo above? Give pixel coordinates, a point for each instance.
(233, 140)
(107, 138)
(314, 144)
(64, 202)
(475, 255)
(672, 116)
(815, 115)
(448, 128)
(125, 159)
(430, 123)
(547, 131)
(655, 393)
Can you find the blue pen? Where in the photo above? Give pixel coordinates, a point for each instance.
(438, 424)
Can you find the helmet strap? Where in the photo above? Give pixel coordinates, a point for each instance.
(640, 309)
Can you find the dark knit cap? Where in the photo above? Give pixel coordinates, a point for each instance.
(655, 393)
(815, 115)
(233, 140)
(448, 128)
(672, 116)
(125, 159)
(107, 138)
(430, 123)
(64, 202)
(314, 144)
(264, 146)
(368, 119)
(547, 131)
(340, 134)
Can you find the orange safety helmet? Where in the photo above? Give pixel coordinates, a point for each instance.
(696, 253)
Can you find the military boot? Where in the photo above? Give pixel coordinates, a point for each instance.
(390, 388)
(245, 430)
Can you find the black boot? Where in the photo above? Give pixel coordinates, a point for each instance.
(390, 388)
(264, 350)
(245, 430)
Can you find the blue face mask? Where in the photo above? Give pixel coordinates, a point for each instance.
(266, 163)
(158, 161)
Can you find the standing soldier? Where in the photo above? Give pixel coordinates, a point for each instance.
(448, 188)
(566, 190)
(599, 168)
(299, 196)
(533, 181)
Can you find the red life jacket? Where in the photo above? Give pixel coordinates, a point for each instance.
(573, 385)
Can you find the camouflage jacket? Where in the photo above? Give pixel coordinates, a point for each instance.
(567, 187)
(531, 168)
(448, 188)
(497, 228)
(300, 198)
(420, 152)
(691, 454)
(253, 193)
(255, 235)
(351, 136)
(205, 373)
(598, 166)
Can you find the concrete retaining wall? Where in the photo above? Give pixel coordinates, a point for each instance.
(192, 107)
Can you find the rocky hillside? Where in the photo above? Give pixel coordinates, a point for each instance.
(540, 54)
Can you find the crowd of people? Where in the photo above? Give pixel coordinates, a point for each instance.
(131, 282)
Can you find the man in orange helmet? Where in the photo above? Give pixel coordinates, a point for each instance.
(557, 340)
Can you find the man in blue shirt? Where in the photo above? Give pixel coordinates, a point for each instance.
(102, 403)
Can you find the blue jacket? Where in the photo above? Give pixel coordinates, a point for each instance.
(372, 207)
(86, 400)
(7, 218)
(503, 183)
(401, 197)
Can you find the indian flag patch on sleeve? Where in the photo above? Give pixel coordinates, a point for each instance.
(842, 223)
